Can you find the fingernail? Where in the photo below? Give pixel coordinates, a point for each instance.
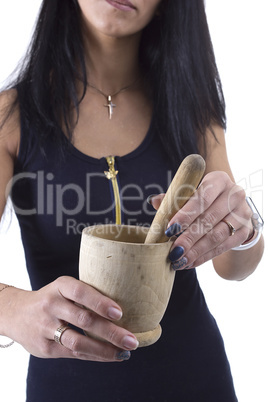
(123, 355)
(173, 230)
(181, 264)
(130, 343)
(176, 253)
(149, 199)
(114, 313)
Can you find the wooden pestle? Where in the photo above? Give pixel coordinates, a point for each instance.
(182, 187)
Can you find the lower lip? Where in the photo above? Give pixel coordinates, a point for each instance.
(120, 6)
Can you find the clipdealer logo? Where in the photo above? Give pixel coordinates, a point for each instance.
(50, 197)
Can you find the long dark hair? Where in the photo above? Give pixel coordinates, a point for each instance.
(177, 57)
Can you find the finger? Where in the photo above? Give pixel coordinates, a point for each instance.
(89, 297)
(200, 201)
(214, 187)
(222, 248)
(208, 225)
(83, 344)
(91, 322)
(155, 200)
(78, 346)
(215, 242)
(206, 219)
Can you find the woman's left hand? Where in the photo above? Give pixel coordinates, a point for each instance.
(214, 220)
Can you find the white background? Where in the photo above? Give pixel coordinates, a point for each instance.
(239, 32)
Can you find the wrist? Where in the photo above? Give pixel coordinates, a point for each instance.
(257, 223)
(4, 344)
(10, 303)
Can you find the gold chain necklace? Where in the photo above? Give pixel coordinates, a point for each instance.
(110, 105)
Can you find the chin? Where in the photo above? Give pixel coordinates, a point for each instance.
(117, 30)
(119, 33)
(115, 25)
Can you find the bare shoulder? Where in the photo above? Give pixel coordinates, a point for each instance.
(9, 123)
(9, 141)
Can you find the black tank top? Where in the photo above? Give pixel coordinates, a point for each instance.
(54, 199)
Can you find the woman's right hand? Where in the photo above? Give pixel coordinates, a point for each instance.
(31, 319)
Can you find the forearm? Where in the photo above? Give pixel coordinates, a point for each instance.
(7, 303)
(238, 265)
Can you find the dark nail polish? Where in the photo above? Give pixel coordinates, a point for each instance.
(176, 253)
(173, 230)
(180, 264)
(123, 355)
(149, 199)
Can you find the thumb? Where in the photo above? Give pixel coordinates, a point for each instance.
(155, 200)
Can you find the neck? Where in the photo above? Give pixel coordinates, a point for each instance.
(112, 63)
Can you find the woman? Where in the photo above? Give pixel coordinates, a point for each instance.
(136, 80)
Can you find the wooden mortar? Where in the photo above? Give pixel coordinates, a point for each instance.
(130, 264)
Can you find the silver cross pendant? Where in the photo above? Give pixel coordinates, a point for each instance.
(110, 105)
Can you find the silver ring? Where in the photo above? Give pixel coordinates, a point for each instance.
(58, 333)
(230, 226)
